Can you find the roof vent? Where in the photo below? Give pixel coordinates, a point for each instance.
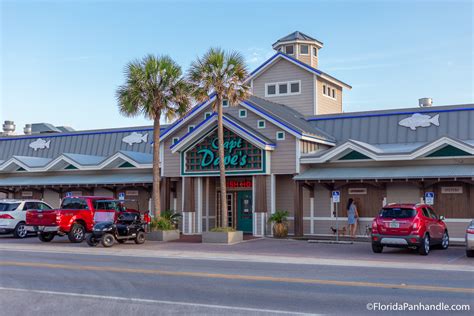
(425, 102)
(8, 127)
(27, 129)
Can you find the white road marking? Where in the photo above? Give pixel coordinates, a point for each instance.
(142, 300)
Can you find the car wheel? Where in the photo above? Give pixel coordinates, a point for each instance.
(470, 253)
(377, 248)
(77, 233)
(92, 241)
(20, 230)
(108, 240)
(424, 248)
(140, 239)
(45, 237)
(445, 241)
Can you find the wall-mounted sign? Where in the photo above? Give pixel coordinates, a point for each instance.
(336, 196)
(239, 184)
(429, 198)
(451, 190)
(135, 138)
(241, 156)
(358, 191)
(27, 193)
(419, 120)
(40, 144)
(121, 196)
(131, 193)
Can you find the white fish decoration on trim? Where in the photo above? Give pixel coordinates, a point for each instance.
(419, 120)
(39, 144)
(135, 138)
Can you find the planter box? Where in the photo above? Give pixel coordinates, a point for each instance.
(222, 237)
(163, 235)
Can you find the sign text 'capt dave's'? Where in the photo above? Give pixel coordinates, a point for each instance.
(233, 156)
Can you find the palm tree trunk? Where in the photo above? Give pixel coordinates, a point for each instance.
(220, 138)
(156, 166)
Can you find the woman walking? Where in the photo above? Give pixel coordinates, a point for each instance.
(352, 216)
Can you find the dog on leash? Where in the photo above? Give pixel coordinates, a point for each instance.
(340, 231)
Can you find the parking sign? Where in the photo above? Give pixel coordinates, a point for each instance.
(336, 196)
(429, 198)
(121, 196)
(68, 194)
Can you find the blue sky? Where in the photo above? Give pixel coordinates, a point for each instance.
(61, 61)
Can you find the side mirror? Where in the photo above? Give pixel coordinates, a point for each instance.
(441, 218)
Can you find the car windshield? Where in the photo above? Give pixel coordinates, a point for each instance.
(397, 213)
(74, 204)
(107, 205)
(8, 207)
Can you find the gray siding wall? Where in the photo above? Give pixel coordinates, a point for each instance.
(283, 70)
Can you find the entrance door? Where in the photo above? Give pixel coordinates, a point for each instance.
(244, 211)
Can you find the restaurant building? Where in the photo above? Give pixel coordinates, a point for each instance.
(287, 148)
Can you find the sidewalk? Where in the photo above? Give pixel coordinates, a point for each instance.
(266, 250)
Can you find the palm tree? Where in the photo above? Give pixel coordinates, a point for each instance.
(222, 73)
(154, 86)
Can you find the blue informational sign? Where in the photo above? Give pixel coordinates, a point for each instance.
(336, 196)
(68, 194)
(429, 198)
(121, 196)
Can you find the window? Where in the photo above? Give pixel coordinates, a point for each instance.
(304, 49)
(261, 123)
(283, 88)
(8, 207)
(329, 92)
(271, 89)
(426, 213)
(207, 115)
(280, 135)
(43, 206)
(243, 113)
(315, 52)
(175, 140)
(30, 206)
(74, 204)
(295, 87)
(190, 128)
(289, 49)
(225, 103)
(398, 213)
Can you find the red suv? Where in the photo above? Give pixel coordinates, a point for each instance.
(409, 225)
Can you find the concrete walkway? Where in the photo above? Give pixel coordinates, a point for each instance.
(263, 250)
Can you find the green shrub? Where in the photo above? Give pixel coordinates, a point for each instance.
(168, 220)
(223, 230)
(278, 217)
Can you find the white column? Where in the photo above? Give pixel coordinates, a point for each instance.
(207, 203)
(199, 208)
(254, 218)
(311, 209)
(182, 206)
(272, 196)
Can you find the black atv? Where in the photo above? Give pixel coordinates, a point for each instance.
(127, 226)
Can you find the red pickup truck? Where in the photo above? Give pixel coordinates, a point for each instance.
(74, 218)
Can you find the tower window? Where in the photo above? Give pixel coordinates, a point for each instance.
(271, 89)
(225, 103)
(289, 49)
(304, 49)
(329, 92)
(283, 88)
(261, 123)
(315, 52)
(243, 113)
(280, 135)
(294, 87)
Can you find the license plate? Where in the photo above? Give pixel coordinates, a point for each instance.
(394, 225)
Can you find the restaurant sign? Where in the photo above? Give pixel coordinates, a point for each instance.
(240, 156)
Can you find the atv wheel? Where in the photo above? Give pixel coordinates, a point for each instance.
(92, 241)
(108, 240)
(140, 239)
(45, 237)
(77, 233)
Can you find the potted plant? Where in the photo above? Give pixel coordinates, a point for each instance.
(280, 224)
(165, 227)
(222, 235)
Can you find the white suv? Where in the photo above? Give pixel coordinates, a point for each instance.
(13, 215)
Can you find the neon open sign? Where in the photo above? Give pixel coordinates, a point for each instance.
(239, 184)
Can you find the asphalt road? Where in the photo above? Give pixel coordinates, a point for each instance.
(81, 284)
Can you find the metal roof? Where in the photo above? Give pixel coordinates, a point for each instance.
(290, 117)
(401, 172)
(77, 179)
(382, 127)
(297, 35)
